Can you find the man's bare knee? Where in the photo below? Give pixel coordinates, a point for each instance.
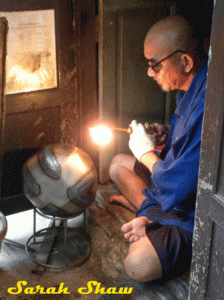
(143, 266)
(118, 163)
(136, 270)
(114, 166)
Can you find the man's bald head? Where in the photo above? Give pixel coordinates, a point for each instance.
(171, 47)
(172, 33)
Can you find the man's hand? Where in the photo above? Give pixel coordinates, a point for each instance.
(140, 142)
(135, 229)
(160, 132)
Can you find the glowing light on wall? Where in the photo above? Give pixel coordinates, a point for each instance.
(101, 135)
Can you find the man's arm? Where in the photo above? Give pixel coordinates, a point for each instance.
(149, 159)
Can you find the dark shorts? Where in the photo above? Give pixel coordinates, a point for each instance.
(143, 172)
(172, 244)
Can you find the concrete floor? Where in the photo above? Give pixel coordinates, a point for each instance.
(104, 265)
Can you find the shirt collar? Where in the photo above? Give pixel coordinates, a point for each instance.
(186, 99)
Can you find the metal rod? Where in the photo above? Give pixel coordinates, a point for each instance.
(128, 130)
(121, 129)
(66, 241)
(18, 245)
(34, 224)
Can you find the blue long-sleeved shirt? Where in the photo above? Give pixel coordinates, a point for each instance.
(171, 198)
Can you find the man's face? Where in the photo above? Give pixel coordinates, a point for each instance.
(168, 74)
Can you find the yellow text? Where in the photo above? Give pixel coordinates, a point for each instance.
(38, 289)
(98, 290)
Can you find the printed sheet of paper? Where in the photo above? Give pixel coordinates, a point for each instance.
(31, 51)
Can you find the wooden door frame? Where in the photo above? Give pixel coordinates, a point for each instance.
(3, 38)
(85, 21)
(208, 205)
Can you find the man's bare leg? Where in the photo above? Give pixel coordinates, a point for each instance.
(129, 183)
(123, 201)
(142, 262)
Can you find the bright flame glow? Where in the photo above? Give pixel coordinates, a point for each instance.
(101, 135)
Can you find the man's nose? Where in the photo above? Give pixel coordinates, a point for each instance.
(150, 72)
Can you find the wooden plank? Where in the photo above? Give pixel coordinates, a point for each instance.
(3, 37)
(206, 278)
(85, 16)
(3, 34)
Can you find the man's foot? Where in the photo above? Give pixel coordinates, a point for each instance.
(123, 201)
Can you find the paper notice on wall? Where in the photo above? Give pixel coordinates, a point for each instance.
(31, 51)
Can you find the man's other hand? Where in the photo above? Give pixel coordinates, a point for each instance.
(160, 132)
(135, 229)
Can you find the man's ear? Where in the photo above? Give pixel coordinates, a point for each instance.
(188, 62)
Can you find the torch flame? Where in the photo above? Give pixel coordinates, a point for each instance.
(101, 135)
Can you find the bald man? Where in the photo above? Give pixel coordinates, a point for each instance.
(161, 189)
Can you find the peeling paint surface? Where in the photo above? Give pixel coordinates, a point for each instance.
(205, 185)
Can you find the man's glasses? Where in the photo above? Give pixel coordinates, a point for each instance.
(155, 67)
